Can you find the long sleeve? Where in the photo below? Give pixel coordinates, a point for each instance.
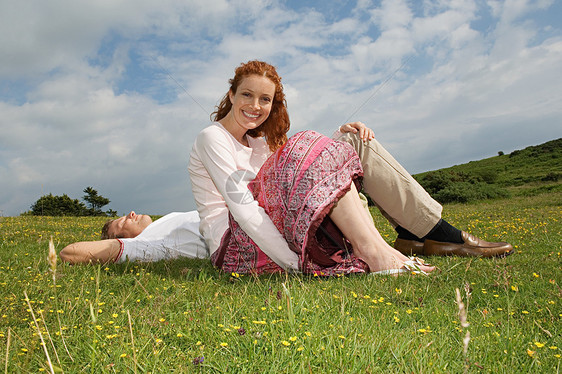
(231, 166)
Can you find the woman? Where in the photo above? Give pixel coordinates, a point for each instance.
(304, 212)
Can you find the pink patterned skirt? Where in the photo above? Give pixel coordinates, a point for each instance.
(297, 186)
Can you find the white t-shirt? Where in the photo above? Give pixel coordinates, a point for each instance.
(172, 236)
(220, 169)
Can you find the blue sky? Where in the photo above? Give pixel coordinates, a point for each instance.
(111, 94)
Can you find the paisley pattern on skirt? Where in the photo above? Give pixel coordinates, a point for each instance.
(297, 186)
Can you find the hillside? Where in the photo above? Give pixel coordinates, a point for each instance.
(530, 171)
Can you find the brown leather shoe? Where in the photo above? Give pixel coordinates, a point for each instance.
(472, 246)
(409, 247)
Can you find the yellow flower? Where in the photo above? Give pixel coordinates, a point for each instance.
(536, 275)
(539, 345)
(293, 338)
(398, 291)
(123, 355)
(531, 353)
(300, 348)
(514, 288)
(224, 344)
(285, 343)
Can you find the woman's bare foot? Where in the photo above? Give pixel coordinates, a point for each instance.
(387, 260)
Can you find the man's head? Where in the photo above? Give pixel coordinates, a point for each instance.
(128, 226)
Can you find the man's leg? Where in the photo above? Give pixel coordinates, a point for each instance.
(401, 199)
(415, 215)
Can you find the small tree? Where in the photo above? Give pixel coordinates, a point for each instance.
(95, 201)
(50, 205)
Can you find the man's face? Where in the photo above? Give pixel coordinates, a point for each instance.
(129, 226)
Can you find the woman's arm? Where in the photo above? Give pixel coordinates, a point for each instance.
(215, 152)
(93, 252)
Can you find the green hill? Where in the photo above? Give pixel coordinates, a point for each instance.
(530, 171)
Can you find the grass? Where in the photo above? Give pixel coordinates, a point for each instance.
(182, 316)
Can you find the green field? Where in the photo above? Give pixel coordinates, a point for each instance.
(183, 316)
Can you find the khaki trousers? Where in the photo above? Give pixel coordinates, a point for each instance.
(400, 198)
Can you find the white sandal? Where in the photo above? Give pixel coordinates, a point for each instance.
(412, 266)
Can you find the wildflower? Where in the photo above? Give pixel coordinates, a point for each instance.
(524, 312)
(398, 291)
(539, 345)
(241, 331)
(531, 353)
(353, 294)
(514, 288)
(198, 360)
(536, 275)
(308, 333)
(553, 347)
(301, 348)
(396, 319)
(409, 311)
(285, 343)
(223, 344)
(293, 338)
(123, 355)
(179, 335)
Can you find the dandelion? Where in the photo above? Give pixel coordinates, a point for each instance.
(539, 345)
(223, 344)
(536, 275)
(301, 348)
(531, 353)
(514, 288)
(293, 338)
(285, 343)
(398, 291)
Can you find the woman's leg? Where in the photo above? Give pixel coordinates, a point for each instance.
(355, 224)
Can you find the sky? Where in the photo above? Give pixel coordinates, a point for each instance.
(111, 94)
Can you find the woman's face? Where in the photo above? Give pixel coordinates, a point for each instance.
(252, 102)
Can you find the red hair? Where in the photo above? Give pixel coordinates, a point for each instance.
(276, 126)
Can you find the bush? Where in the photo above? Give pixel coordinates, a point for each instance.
(50, 205)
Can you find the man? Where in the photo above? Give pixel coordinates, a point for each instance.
(415, 215)
(135, 237)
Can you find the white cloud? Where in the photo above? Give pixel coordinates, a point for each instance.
(91, 113)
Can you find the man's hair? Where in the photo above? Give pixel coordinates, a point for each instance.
(105, 230)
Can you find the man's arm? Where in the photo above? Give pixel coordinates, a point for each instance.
(93, 252)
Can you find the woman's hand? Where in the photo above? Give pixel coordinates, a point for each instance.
(365, 133)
